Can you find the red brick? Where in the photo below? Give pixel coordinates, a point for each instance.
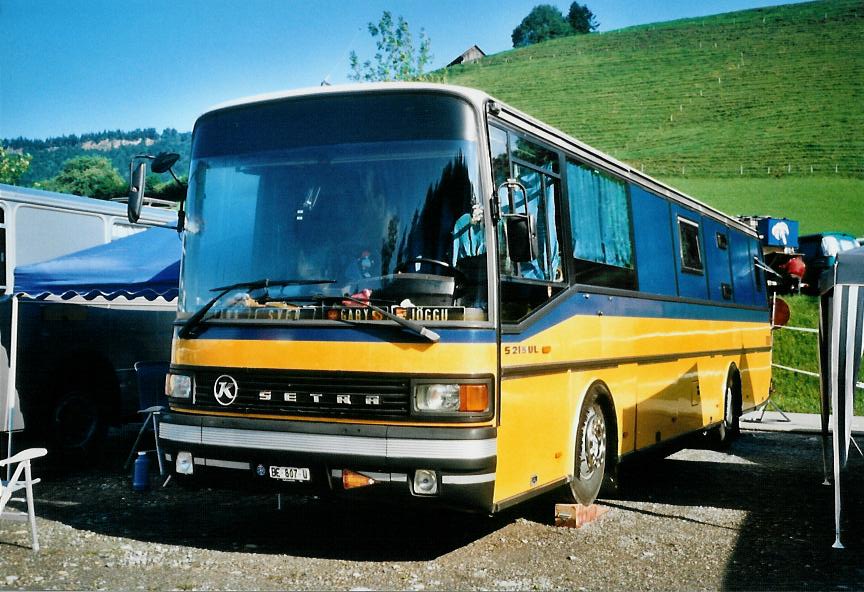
(577, 515)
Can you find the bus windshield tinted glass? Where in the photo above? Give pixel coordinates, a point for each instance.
(376, 192)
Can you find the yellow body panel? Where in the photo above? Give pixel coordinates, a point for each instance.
(667, 377)
(447, 358)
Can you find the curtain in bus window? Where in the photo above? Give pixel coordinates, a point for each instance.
(541, 205)
(600, 217)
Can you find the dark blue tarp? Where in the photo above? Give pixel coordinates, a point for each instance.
(146, 264)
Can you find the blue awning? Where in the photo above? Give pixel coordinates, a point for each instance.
(146, 264)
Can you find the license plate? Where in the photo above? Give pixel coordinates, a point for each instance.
(290, 473)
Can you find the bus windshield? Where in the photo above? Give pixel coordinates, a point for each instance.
(339, 200)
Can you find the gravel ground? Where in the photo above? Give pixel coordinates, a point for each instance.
(756, 518)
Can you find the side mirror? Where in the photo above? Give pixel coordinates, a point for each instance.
(521, 231)
(163, 162)
(136, 192)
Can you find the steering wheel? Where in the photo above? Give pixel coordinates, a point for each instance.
(456, 274)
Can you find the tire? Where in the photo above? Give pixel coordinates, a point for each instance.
(594, 449)
(78, 422)
(730, 427)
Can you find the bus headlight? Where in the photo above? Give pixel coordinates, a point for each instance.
(437, 397)
(178, 386)
(451, 398)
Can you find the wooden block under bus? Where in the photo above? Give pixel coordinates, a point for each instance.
(577, 515)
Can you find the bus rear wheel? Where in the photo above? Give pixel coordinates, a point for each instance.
(730, 427)
(593, 440)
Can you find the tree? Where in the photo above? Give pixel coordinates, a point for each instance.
(93, 176)
(396, 58)
(581, 19)
(12, 166)
(544, 22)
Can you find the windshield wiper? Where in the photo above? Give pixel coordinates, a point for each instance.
(410, 325)
(196, 319)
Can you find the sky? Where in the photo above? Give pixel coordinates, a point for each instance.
(78, 66)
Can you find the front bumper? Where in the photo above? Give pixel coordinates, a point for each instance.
(238, 452)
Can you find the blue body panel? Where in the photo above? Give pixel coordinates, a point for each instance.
(743, 283)
(760, 295)
(574, 304)
(717, 260)
(652, 232)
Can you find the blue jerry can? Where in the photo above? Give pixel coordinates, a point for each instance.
(141, 472)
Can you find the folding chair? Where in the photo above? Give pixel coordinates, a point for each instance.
(152, 400)
(21, 461)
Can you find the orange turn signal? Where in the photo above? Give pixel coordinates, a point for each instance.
(473, 397)
(352, 479)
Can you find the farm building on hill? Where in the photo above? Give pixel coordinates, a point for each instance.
(472, 54)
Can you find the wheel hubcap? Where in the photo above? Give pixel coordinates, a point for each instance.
(593, 450)
(728, 418)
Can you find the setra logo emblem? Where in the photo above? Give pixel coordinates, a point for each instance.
(225, 390)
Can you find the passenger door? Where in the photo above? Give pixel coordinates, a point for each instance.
(534, 422)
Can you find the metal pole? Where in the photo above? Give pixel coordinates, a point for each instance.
(11, 392)
(835, 400)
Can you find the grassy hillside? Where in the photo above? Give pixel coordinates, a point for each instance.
(753, 112)
(818, 203)
(766, 92)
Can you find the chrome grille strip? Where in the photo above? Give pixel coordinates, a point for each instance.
(331, 444)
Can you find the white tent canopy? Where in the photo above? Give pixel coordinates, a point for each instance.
(143, 265)
(841, 326)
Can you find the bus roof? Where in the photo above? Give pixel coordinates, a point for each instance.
(481, 101)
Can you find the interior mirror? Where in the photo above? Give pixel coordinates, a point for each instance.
(164, 161)
(136, 192)
(521, 230)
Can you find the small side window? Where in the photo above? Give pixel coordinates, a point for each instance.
(722, 241)
(691, 253)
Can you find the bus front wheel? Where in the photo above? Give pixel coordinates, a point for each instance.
(593, 446)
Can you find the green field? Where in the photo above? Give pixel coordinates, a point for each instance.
(756, 112)
(818, 203)
(797, 392)
(761, 93)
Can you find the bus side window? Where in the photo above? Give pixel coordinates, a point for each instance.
(526, 286)
(691, 252)
(601, 226)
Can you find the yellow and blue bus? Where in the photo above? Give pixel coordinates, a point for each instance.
(415, 291)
